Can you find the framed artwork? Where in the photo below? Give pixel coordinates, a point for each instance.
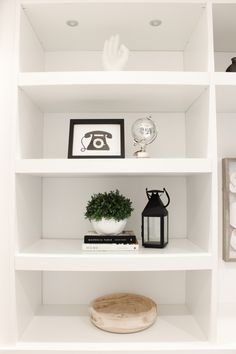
(96, 138)
(229, 209)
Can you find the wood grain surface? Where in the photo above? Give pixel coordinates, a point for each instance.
(123, 312)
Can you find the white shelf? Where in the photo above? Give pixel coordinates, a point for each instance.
(63, 325)
(66, 255)
(100, 167)
(113, 91)
(113, 78)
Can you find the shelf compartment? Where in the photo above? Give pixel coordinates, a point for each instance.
(44, 135)
(225, 92)
(224, 34)
(174, 324)
(52, 307)
(225, 97)
(66, 255)
(53, 207)
(101, 167)
(53, 46)
(109, 91)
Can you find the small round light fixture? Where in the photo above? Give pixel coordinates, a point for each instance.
(155, 23)
(72, 23)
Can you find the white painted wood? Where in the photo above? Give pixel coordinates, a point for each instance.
(198, 298)
(115, 1)
(29, 128)
(28, 211)
(213, 245)
(66, 255)
(28, 298)
(132, 166)
(133, 91)
(226, 135)
(175, 324)
(141, 347)
(210, 35)
(197, 127)
(227, 272)
(226, 324)
(113, 78)
(8, 24)
(74, 288)
(196, 48)
(199, 211)
(225, 96)
(53, 207)
(94, 28)
(31, 53)
(224, 27)
(91, 60)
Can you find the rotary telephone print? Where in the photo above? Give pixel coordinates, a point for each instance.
(97, 140)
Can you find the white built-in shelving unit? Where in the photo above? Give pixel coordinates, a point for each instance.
(170, 75)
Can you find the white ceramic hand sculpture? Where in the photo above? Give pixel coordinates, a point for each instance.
(115, 56)
(232, 185)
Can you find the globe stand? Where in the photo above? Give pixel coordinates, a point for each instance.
(141, 154)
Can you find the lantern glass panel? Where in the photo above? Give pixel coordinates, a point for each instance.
(166, 226)
(152, 229)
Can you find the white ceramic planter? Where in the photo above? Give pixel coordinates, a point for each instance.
(109, 227)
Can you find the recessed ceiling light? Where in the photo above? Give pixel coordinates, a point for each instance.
(72, 23)
(155, 23)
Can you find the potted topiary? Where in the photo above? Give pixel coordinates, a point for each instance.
(108, 212)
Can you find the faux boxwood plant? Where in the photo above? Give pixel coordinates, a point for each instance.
(112, 205)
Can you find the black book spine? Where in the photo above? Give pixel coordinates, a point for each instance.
(110, 239)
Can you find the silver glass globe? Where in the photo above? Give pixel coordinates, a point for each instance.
(144, 132)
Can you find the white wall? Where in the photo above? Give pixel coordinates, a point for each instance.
(7, 12)
(226, 148)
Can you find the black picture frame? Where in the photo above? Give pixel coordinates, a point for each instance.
(96, 138)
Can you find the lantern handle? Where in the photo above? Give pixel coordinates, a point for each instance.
(155, 191)
(168, 197)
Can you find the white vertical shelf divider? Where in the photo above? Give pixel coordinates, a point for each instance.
(213, 153)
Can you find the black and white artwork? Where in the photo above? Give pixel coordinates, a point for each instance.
(229, 209)
(96, 138)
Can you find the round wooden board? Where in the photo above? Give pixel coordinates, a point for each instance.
(123, 312)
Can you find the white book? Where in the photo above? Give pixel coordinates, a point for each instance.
(123, 233)
(109, 247)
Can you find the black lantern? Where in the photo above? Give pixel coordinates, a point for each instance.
(155, 225)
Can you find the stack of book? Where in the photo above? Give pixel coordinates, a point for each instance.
(125, 241)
